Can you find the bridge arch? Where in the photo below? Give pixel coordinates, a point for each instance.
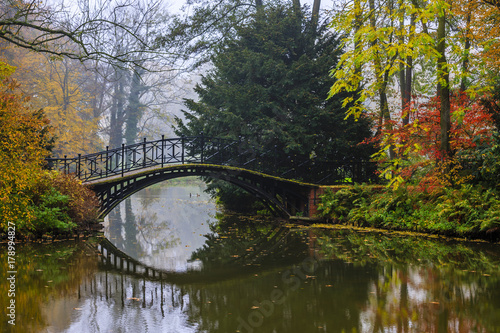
(284, 197)
(117, 173)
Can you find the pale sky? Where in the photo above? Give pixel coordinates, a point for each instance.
(175, 5)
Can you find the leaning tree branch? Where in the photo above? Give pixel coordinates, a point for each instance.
(52, 32)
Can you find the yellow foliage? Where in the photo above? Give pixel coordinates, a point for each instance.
(23, 138)
(57, 85)
(448, 173)
(483, 31)
(374, 51)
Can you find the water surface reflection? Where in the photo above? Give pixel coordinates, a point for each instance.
(188, 268)
(161, 226)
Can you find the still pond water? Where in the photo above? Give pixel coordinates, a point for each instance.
(170, 262)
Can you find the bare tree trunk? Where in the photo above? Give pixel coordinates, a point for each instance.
(134, 108)
(383, 78)
(465, 62)
(117, 117)
(402, 67)
(315, 14)
(443, 86)
(408, 76)
(357, 26)
(117, 110)
(382, 85)
(408, 86)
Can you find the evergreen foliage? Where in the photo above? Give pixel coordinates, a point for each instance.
(269, 87)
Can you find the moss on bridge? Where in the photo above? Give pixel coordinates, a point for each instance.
(144, 172)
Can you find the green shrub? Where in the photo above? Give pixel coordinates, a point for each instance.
(51, 212)
(337, 205)
(484, 162)
(470, 208)
(60, 203)
(467, 210)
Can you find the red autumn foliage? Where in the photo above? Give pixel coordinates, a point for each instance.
(419, 140)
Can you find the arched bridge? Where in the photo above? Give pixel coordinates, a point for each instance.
(288, 184)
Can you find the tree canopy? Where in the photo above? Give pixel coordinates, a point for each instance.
(411, 58)
(268, 86)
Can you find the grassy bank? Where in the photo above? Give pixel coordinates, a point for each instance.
(467, 211)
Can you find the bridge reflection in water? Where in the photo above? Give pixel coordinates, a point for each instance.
(254, 276)
(352, 282)
(129, 283)
(263, 252)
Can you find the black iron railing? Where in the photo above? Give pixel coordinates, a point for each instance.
(210, 150)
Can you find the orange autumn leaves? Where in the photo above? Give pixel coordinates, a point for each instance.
(24, 135)
(417, 144)
(34, 200)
